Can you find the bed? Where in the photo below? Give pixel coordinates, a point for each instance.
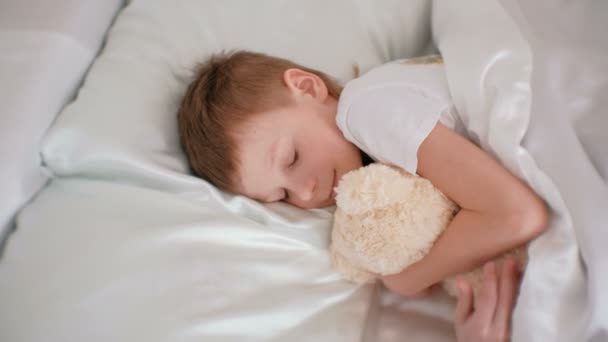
(108, 237)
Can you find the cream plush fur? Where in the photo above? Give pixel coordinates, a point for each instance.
(387, 219)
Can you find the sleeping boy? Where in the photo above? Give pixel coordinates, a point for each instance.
(273, 130)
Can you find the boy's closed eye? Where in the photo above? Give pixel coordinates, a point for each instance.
(293, 162)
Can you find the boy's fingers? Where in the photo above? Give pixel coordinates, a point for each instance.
(485, 306)
(464, 307)
(507, 293)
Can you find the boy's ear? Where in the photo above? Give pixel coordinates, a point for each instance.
(299, 81)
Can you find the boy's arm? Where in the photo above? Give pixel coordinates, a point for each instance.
(498, 211)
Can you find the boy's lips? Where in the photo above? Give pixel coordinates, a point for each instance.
(334, 185)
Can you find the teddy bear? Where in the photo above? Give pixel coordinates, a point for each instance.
(387, 219)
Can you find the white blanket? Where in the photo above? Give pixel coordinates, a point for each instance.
(564, 298)
(542, 113)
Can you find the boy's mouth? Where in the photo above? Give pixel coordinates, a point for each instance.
(334, 185)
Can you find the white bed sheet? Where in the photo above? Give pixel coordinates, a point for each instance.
(125, 263)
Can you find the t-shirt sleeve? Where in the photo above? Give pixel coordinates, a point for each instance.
(390, 122)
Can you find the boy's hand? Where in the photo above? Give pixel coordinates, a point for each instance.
(488, 319)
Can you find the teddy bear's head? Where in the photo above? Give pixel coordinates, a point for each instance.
(386, 219)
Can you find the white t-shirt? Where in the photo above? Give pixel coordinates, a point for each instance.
(389, 111)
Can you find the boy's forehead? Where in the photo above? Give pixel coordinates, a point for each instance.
(254, 156)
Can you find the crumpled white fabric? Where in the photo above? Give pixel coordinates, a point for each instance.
(568, 139)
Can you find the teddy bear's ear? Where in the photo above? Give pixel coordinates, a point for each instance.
(371, 187)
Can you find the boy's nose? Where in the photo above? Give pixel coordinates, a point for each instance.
(306, 189)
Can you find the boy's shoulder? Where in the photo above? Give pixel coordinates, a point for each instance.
(408, 78)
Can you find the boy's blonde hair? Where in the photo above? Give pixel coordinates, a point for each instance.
(228, 89)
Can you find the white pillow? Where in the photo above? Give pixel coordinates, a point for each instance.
(123, 122)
